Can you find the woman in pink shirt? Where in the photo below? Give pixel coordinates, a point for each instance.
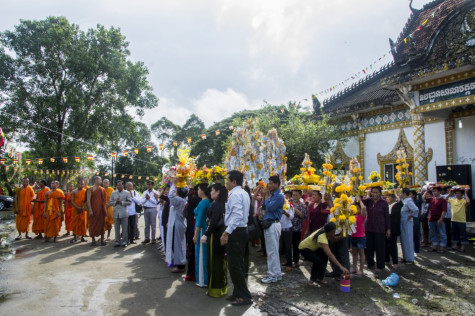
(358, 239)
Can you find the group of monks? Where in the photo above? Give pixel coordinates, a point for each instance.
(82, 209)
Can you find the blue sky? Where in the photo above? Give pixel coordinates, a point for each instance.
(215, 57)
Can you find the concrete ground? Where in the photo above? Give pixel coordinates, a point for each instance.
(77, 279)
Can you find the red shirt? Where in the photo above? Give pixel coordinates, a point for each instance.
(436, 208)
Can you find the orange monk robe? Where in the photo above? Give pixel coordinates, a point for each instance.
(110, 210)
(39, 212)
(98, 218)
(78, 219)
(53, 220)
(68, 210)
(23, 218)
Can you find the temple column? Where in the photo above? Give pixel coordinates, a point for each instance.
(420, 161)
(449, 140)
(361, 139)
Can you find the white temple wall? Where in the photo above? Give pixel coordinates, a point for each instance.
(435, 139)
(382, 143)
(464, 145)
(351, 146)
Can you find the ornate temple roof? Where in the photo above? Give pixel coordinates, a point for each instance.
(417, 38)
(436, 38)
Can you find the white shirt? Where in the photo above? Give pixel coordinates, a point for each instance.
(152, 201)
(136, 199)
(286, 222)
(237, 209)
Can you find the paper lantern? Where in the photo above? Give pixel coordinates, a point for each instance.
(15, 169)
(218, 132)
(41, 171)
(28, 161)
(282, 110)
(6, 168)
(231, 127)
(131, 177)
(76, 159)
(203, 136)
(40, 161)
(114, 175)
(188, 140)
(47, 171)
(175, 143)
(51, 159)
(2, 161)
(123, 176)
(114, 155)
(149, 149)
(22, 169)
(106, 174)
(36, 171)
(98, 173)
(136, 151)
(147, 178)
(90, 157)
(65, 159)
(15, 161)
(160, 146)
(139, 177)
(125, 153)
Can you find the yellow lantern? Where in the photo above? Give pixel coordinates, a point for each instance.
(175, 143)
(28, 161)
(149, 149)
(114, 155)
(160, 146)
(125, 153)
(203, 136)
(188, 140)
(90, 157)
(76, 159)
(136, 151)
(40, 161)
(218, 132)
(65, 159)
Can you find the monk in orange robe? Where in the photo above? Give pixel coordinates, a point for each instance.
(79, 215)
(24, 208)
(96, 204)
(53, 205)
(39, 210)
(68, 210)
(110, 209)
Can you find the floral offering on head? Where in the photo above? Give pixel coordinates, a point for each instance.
(356, 178)
(343, 211)
(201, 176)
(217, 174)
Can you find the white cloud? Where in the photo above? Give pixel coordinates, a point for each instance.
(214, 105)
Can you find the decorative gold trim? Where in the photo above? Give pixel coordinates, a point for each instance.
(339, 155)
(465, 113)
(444, 80)
(446, 104)
(361, 142)
(390, 109)
(449, 125)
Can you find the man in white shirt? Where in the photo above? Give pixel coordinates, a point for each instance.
(236, 236)
(136, 199)
(150, 202)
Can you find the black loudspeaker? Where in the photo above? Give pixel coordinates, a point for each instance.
(462, 174)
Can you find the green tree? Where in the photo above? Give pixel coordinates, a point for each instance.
(65, 81)
(165, 130)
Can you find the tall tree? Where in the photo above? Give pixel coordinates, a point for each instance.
(164, 130)
(61, 81)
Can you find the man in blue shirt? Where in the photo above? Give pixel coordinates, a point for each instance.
(273, 207)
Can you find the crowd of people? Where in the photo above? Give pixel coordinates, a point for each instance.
(205, 230)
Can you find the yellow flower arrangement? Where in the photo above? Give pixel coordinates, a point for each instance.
(403, 175)
(356, 177)
(217, 174)
(328, 177)
(343, 211)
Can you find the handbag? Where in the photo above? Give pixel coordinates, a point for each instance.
(253, 229)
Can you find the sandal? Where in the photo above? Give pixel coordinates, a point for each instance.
(103, 243)
(73, 241)
(93, 244)
(322, 282)
(312, 284)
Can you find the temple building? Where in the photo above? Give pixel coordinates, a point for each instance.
(423, 102)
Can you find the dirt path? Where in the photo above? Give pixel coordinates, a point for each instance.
(77, 279)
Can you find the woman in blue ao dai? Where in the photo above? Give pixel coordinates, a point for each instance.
(201, 250)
